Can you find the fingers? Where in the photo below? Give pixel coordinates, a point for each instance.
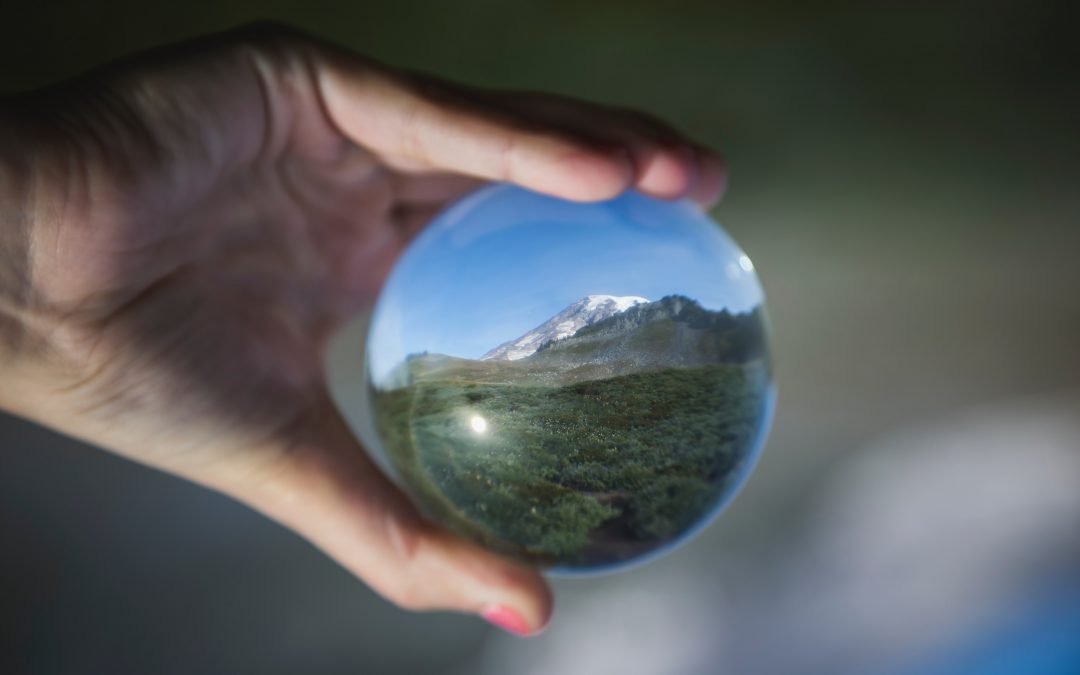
(712, 177)
(667, 165)
(385, 114)
(328, 491)
(554, 145)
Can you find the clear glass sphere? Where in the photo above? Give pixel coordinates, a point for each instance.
(575, 385)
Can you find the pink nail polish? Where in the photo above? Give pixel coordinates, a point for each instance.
(507, 619)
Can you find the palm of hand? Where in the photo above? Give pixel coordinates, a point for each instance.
(201, 320)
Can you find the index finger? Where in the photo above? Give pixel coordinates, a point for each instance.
(382, 112)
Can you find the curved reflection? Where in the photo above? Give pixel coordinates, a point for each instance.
(619, 349)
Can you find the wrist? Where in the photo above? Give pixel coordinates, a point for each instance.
(16, 237)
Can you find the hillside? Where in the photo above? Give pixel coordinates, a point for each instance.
(576, 475)
(598, 446)
(673, 332)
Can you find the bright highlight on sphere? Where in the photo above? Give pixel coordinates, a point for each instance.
(609, 361)
(478, 424)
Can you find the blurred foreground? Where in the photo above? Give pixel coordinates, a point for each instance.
(904, 179)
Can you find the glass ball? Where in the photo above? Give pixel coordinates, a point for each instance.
(579, 386)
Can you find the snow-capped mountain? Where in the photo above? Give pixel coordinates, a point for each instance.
(584, 312)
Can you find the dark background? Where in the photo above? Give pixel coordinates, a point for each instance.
(904, 175)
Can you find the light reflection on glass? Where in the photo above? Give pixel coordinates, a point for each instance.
(478, 424)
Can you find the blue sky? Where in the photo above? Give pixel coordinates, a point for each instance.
(502, 262)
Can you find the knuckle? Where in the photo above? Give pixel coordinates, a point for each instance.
(274, 43)
(409, 597)
(405, 535)
(507, 150)
(429, 88)
(411, 586)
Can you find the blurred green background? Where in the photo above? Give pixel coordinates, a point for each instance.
(904, 175)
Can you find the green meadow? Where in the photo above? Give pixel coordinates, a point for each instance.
(579, 475)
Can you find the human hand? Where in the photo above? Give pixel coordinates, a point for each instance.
(183, 232)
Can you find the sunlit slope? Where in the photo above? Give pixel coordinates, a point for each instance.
(674, 332)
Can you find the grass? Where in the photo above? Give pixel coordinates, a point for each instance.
(577, 474)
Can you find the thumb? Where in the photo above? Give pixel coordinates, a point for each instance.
(328, 490)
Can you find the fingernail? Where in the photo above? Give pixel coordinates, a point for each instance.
(506, 619)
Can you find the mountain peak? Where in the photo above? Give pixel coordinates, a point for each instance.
(621, 302)
(584, 312)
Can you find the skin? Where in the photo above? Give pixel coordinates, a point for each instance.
(182, 232)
